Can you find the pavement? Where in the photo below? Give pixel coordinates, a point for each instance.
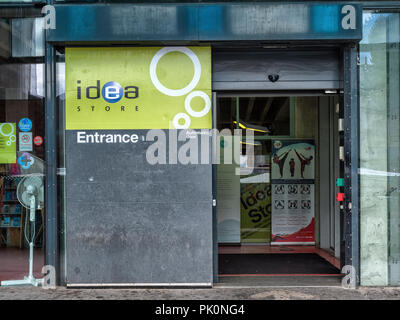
(219, 292)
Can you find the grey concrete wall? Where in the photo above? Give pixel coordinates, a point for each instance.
(132, 222)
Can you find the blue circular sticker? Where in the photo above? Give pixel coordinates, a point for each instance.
(25, 124)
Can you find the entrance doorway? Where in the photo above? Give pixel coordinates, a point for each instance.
(278, 217)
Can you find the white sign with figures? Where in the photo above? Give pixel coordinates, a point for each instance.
(293, 213)
(292, 173)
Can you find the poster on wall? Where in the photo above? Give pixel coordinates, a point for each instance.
(138, 88)
(292, 193)
(8, 143)
(255, 209)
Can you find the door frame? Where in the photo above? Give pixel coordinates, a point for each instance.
(350, 114)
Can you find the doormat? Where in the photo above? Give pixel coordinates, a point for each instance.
(282, 263)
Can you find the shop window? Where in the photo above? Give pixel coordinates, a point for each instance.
(27, 38)
(22, 153)
(380, 149)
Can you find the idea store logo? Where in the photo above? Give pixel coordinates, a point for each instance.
(111, 91)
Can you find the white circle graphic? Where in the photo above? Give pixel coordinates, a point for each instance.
(179, 116)
(173, 92)
(13, 138)
(206, 108)
(1, 129)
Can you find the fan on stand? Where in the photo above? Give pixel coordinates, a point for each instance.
(30, 193)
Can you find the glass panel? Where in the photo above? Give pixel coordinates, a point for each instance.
(226, 113)
(269, 117)
(60, 101)
(265, 115)
(255, 194)
(305, 117)
(22, 151)
(379, 149)
(27, 38)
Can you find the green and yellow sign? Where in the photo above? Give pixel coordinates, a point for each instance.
(8, 144)
(138, 88)
(255, 212)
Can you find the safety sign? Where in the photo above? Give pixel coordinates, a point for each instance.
(25, 141)
(38, 140)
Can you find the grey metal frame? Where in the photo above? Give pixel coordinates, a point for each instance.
(51, 151)
(351, 162)
(329, 171)
(335, 173)
(214, 192)
(51, 208)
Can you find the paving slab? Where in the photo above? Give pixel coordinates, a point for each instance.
(216, 293)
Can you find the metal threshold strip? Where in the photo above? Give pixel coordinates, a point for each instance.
(283, 275)
(281, 281)
(139, 285)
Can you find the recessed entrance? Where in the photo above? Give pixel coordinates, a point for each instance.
(277, 213)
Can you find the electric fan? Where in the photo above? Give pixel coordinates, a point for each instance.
(30, 193)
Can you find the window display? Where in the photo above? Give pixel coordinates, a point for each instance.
(21, 146)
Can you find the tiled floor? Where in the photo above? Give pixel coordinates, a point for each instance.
(268, 249)
(14, 263)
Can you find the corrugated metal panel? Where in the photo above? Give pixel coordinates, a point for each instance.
(300, 70)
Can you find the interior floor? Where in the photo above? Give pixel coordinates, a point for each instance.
(279, 281)
(276, 278)
(268, 249)
(15, 263)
